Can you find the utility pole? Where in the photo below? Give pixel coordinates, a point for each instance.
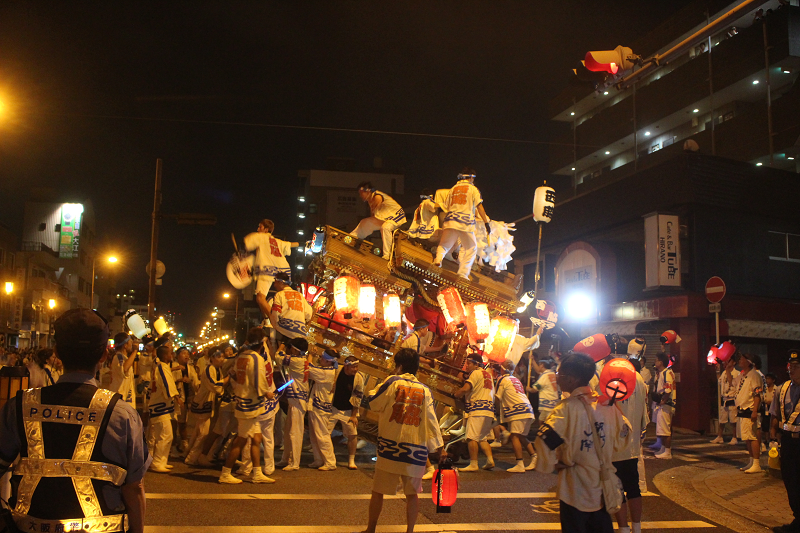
(151, 295)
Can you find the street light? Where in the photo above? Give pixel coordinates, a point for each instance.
(111, 259)
(9, 287)
(51, 303)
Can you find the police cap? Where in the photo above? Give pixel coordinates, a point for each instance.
(81, 328)
(794, 356)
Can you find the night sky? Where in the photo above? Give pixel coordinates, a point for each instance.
(94, 92)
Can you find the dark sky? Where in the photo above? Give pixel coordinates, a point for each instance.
(94, 92)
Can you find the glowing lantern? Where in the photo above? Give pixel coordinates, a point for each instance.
(366, 301)
(478, 321)
(161, 326)
(136, 324)
(346, 293)
(392, 313)
(597, 346)
(721, 352)
(544, 203)
(444, 489)
(636, 347)
(670, 337)
(618, 380)
(452, 306)
(501, 338)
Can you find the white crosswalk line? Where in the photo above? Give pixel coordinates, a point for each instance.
(438, 528)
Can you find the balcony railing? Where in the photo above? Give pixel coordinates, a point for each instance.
(33, 246)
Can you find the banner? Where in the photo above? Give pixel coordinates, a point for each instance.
(662, 251)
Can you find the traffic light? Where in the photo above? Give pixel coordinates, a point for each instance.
(613, 61)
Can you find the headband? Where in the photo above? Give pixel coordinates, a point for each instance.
(417, 328)
(466, 176)
(122, 342)
(425, 197)
(350, 363)
(328, 357)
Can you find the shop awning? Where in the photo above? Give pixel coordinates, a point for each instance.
(763, 330)
(624, 329)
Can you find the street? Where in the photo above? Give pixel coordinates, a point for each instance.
(190, 499)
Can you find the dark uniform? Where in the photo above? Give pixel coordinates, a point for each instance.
(786, 409)
(77, 445)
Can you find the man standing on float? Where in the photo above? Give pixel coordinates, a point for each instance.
(459, 222)
(387, 216)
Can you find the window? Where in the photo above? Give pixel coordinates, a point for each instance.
(783, 246)
(42, 226)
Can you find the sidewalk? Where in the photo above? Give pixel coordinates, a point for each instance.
(713, 486)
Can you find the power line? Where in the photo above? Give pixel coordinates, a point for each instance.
(320, 128)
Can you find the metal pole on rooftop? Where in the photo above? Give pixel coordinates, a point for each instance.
(635, 136)
(574, 151)
(151, 295)
(769, 93)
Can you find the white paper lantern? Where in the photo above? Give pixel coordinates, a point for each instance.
(136, 325)
(544, 203)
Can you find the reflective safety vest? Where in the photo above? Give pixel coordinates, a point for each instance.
(58, 483)
(788, 424)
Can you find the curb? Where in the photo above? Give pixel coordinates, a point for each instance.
(685, 485)
(702, 486)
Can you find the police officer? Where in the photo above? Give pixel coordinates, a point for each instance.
(81, 448)
(785, 413)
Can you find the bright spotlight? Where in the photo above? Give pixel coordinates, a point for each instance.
(579, 306)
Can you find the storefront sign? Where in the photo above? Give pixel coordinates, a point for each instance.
(662, 251)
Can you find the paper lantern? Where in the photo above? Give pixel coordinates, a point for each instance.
(636, 347)
(444, 489)
(366, 301)
(452, 307)
(544, 203)
(136, 324)
(311, 292)
(478, 321)
(721, 353)
(617, 380)
(501, 338)
(670, 337)
(392, 312)
(161, 326)
(346, 293)
(597, 347)
(317, 240)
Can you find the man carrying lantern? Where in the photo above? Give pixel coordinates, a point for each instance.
(478, 394)
(517, 413)
(386, 216)
(459, 222)
(270, 259)
(408, 431)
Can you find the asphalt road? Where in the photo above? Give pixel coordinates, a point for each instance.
(309, 501)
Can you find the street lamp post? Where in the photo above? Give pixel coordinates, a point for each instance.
(110, 259)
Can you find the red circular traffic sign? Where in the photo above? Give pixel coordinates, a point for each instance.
(715, 289)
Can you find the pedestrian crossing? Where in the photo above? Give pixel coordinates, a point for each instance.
(400, 528)
(364, 496)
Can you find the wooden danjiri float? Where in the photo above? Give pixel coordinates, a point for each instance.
(352, 281)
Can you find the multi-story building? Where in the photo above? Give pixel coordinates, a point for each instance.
(9, 329)
(649, 218)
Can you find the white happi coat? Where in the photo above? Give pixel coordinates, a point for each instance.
(407, 428)
(514, 401)
(479, 401)
(460, 206)
(566, 438)
(123, 381)
(425, 222)
(162, 390)
(249, 385)
(270, 254)
(291, 312)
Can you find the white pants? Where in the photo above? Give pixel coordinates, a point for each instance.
(369, 225)
(267, 423)
(321, 444)
(293, 436)
(469, 249)
(202, 424)
(642, 477)
(160, 440)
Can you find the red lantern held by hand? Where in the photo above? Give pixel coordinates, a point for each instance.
(444, 489)
(721, 353)
(597, 347)
(617, 380)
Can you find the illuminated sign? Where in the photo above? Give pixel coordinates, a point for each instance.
(71, 215)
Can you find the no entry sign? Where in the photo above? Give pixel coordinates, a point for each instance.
(715, 289)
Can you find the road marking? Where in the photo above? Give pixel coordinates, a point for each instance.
(439, 528)
(250, 496)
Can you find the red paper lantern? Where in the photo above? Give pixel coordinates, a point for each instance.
(392, 312)
(366, 301)
(618, 380)
(501, 338)
(670, 337)
(721, 352)
(478, 321)
(452, 306)
(346, 291)
(444, 493)
(597, 347)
